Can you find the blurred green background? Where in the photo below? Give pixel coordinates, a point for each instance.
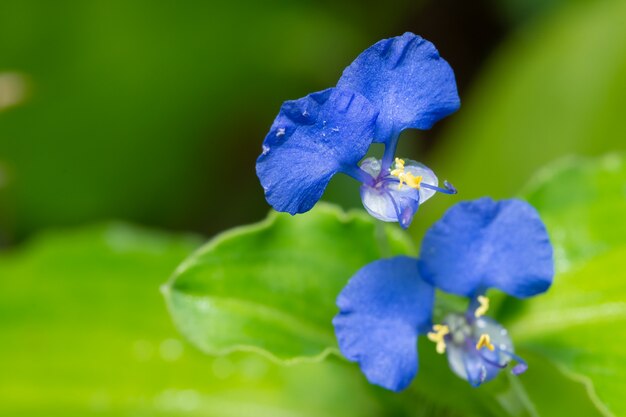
(153, 113)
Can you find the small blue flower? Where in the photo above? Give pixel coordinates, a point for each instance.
(396, 84)
(476, 245)
(478, 347)
(395, 194)
(469, 360)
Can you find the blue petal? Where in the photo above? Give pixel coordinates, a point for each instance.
(381, 312)
(486, 243)
(312, 139)
(407, 80)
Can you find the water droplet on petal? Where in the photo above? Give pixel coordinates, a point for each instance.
(266, 150)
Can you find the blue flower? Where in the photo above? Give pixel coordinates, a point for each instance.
(477, 245)
(478, 347)
(396, 84)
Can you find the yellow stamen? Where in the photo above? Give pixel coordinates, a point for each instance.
(485, 341)
(483, 308)
(399, 167)
(413, 181)
(440, 330)
(405, 177)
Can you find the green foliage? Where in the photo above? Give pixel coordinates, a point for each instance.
(579, 324)
(583, 202)
(85, 332)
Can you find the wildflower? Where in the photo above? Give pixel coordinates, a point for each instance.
(478, 347)
(477, 245)
(396, 84)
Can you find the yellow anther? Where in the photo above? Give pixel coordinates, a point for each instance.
(440, 331)
(441, 328)
(485, 341)
(412, 181)
(399, 168)
(483, 308)
(405, 177)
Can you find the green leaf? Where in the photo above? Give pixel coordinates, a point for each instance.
(271, 287)
(583, 203)
(85, 333)
(545, 391)
(579, 324)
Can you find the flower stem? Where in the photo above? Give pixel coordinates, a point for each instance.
(390, 152)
